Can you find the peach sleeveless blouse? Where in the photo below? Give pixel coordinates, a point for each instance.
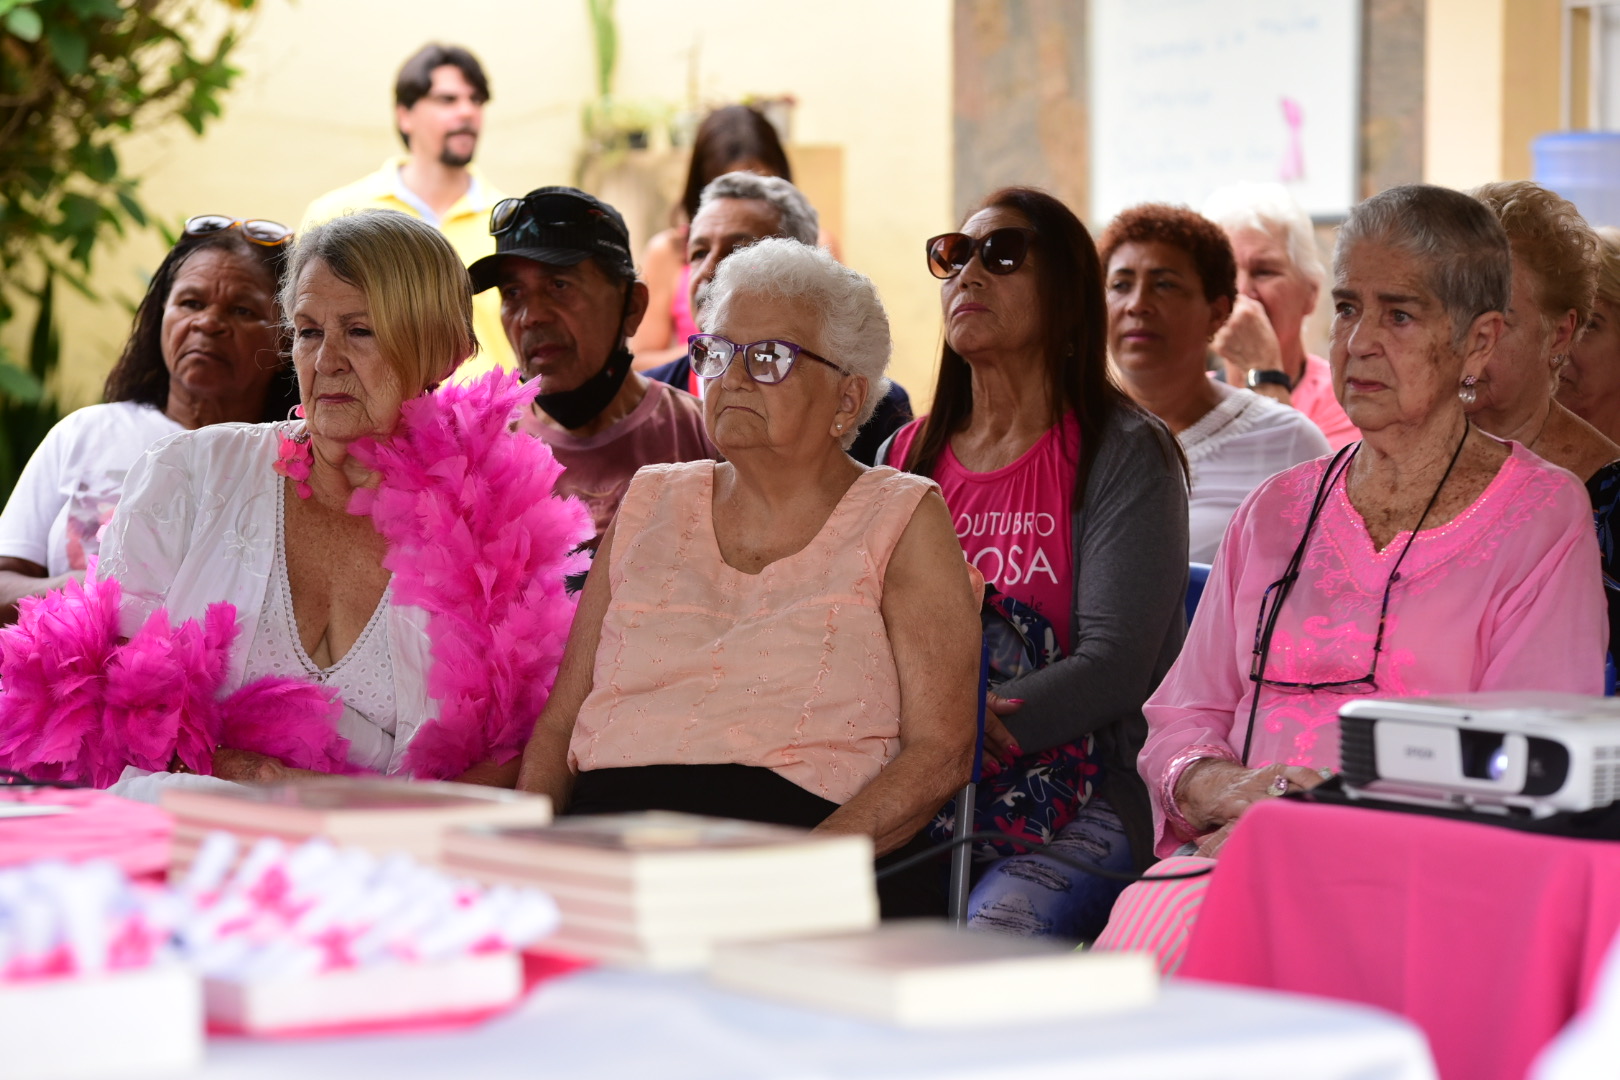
(789, 669)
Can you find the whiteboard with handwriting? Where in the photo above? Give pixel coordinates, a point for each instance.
(1188, 95)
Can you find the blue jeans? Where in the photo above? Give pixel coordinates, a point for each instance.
(1034, 896)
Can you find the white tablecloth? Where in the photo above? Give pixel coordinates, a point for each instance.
(617, 1025)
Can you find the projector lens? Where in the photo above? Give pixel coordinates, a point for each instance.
(1484, 754)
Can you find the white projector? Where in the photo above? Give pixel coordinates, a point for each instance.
(1529, 752)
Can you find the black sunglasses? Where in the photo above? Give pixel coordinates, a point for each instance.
(1000, 251)
(507, 214)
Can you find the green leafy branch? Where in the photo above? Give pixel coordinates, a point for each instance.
(76, 76)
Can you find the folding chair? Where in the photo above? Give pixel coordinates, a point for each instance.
(962, 854)
(1197, 578)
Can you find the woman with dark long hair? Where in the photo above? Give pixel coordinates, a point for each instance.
(1072, 502)
(207, 347)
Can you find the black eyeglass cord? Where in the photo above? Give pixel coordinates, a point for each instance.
(1286, 582)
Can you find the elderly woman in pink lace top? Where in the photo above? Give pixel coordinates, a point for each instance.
(1429, 558)
(787, 635)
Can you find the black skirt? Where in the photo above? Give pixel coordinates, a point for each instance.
(754, 793)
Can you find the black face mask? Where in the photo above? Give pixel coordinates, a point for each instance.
(577, 407)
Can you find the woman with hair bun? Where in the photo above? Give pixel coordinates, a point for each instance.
(1555, 277)
(1589, 384)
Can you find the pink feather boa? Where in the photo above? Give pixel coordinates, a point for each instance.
(475, 538)
(79, 705)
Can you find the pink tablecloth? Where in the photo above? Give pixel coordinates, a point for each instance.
(1489, 939)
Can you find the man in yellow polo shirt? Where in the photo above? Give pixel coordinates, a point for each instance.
(439, 100)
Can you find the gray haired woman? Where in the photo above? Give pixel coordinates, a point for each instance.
(1348, 577)
(787, 635)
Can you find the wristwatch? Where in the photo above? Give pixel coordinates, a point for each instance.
(1257, 379)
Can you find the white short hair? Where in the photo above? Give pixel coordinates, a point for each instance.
(795, 217)
(854, 326)
(1270, 209)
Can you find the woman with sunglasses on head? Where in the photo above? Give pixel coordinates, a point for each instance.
(206, 348)
(1172, 279)
(374, 585)
(1428, 558)
(1072, 502)
(787, 635)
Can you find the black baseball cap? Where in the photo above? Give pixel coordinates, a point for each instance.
(559, 226)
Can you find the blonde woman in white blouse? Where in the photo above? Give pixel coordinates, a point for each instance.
(393, 558)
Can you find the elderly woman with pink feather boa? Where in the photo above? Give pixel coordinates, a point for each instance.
(375, 587)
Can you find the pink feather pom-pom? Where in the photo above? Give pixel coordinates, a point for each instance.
(477, 539)
(76, 704)
(290, 720)
(53, 661)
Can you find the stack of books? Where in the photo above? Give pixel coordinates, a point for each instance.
(382, 816)
(660, 890)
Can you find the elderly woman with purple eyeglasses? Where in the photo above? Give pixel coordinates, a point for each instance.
(785, 636)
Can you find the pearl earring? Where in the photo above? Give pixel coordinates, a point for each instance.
(1468, 391)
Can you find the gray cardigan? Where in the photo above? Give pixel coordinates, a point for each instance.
(1129, 536)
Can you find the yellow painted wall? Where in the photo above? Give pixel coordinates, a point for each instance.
(1491, 85)
(314, 110)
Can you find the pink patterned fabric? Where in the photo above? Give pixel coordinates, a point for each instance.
(790, 669)
(1488, 938)
(476, 539)
(1508, 595)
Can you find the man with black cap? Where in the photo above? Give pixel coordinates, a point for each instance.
(569, 303)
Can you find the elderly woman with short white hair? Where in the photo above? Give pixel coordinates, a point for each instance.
(1280, 276)
(787, 635)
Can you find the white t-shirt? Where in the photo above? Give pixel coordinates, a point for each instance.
(71, 485)
(1245, 439)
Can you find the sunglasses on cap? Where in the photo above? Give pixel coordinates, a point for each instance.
(258, 230)
(1000, 251)
(508, 213)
